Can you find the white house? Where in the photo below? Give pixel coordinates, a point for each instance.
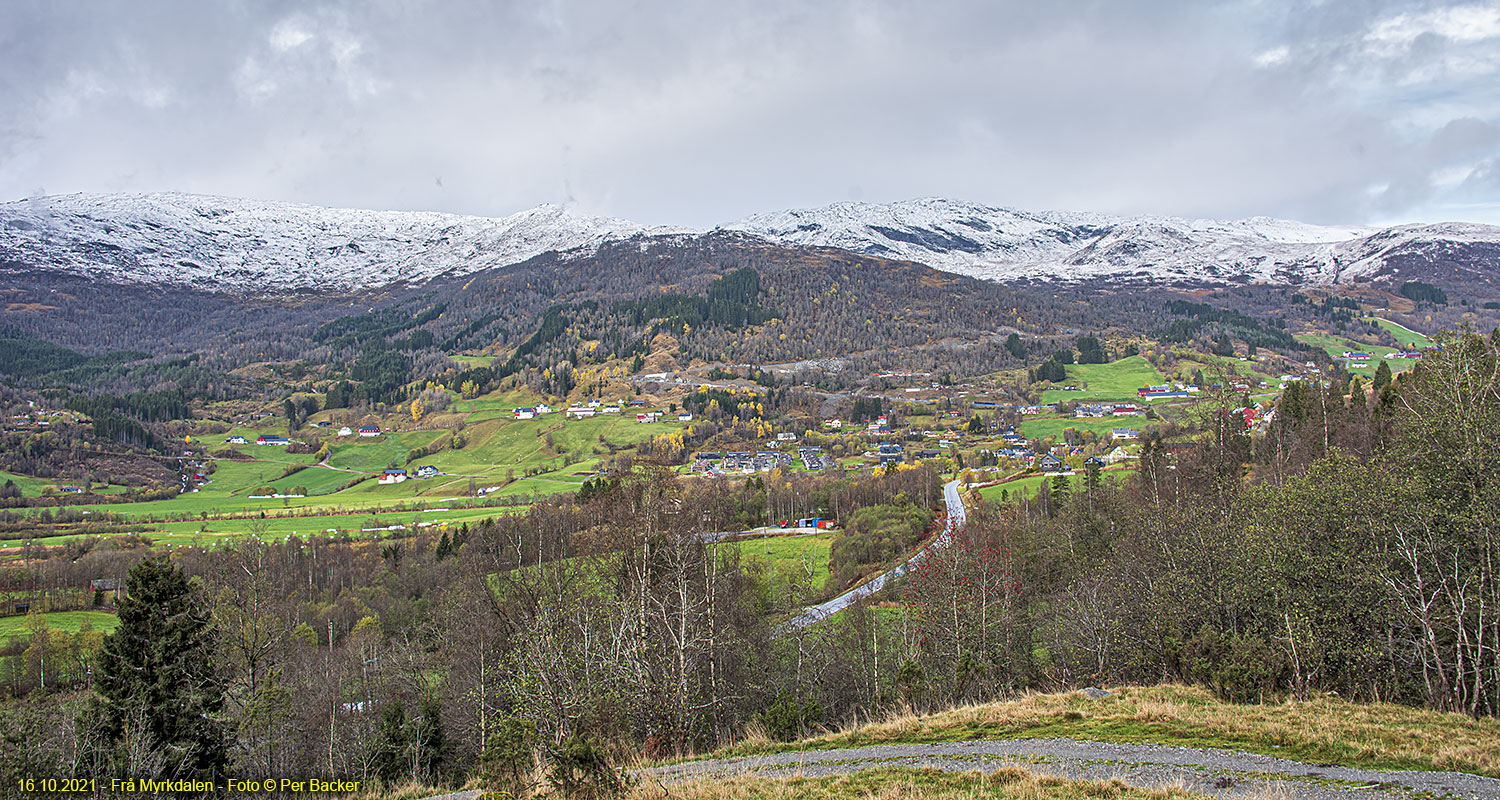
(524, 413)
(1124, 433)
(346, 431)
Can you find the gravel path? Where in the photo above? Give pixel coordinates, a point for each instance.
(1225, 773)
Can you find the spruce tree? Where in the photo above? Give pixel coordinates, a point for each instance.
(158, 690)
(1382, 377)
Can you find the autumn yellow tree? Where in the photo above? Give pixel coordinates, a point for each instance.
(417, 410)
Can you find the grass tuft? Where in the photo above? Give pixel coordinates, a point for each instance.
(1322, 730)
(894, 783)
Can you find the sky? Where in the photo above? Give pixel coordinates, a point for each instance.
(701, 113)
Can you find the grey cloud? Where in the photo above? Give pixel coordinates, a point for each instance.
(698, 113)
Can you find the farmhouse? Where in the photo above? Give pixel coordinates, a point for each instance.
(346, 431)
(427, 471)
(579, 412)
(1051, 463)
(684, 416)
(1124, 433)
(369, 430)
(523, 413)
(273, 440)
(235, 440)
(393, 476)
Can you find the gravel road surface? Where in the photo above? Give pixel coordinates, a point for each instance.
(1225, 773)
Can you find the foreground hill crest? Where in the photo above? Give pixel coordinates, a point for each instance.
(236, 245)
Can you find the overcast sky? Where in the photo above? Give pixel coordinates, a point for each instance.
(699, 113)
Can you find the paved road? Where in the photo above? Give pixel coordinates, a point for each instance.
(956, 518)
(1225, 773)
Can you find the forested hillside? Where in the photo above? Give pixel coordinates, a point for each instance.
(1349, 549)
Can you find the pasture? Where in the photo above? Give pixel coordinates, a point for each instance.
(1117, 380)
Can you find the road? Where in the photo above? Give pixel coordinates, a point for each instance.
(1225, 773)
(956, 518)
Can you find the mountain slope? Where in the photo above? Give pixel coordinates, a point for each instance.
(237, 246)
(226, 244)
(1009, 245)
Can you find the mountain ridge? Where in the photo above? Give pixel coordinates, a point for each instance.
(237, 245)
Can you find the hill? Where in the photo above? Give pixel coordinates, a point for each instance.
(1162, 741)
(249, 247)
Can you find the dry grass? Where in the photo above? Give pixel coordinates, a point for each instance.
(1323, 730)
(895, 783)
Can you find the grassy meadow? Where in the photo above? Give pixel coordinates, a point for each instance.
(69, 621)
(1117, 380)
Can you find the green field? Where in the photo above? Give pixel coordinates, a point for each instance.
(1014, 490)
(70, 621)
(1027, 486)
(1116, 380)
(30, 487)
(790, 554)
(1334, 345)
(1403, 334)
(498, 446)
(276, 528)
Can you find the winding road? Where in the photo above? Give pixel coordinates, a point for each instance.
(957, 515)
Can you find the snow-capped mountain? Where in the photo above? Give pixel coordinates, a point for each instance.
(227, 244)
(1008, 245)
(232, 245)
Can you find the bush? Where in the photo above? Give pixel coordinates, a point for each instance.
(788, 720)
(581, 769)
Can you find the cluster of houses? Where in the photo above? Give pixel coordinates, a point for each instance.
(530, 412)
(594, 408)
(714, 463)
(38, 420)
(397, 475)
(812, 458)
(1166, 390)
(1108, 410)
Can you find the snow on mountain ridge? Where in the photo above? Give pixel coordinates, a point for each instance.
(1006, 244)
(226, 244)
(230, 244)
